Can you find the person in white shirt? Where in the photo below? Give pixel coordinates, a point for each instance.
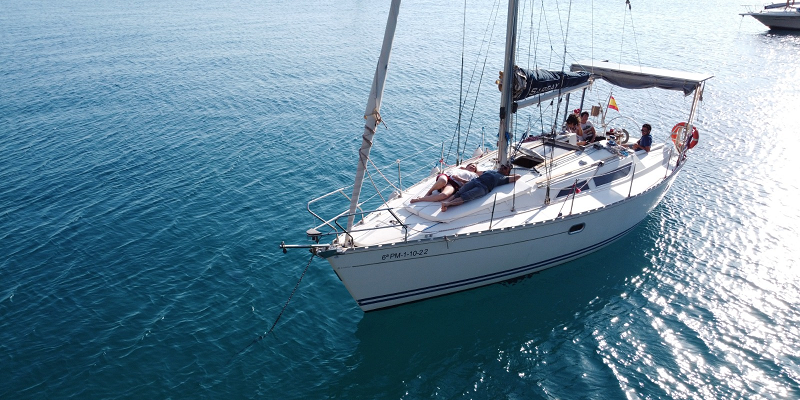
(447, 184)
(588, 134)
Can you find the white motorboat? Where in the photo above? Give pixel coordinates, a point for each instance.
(777, 16)
(569, 201)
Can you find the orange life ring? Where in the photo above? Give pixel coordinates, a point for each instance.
(678, 128)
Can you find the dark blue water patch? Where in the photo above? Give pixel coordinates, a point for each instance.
(155, 155)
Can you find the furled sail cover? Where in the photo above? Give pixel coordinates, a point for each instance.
(636, 77)
(529, 83)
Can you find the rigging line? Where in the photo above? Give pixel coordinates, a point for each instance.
(536, 53)
(576, 190)
(542, 15)
(424, 166)
(463, 98)
(414, 156)
(461, 85)
(402, 159)
(518, 33)
(548, 169)
(492, 22)
(262, 336)
(622, 37)
(530, 37)
(541, 118)
(382, 175)
(516, 149)
(476, 223)
(462, 103)
(537, 34)
(474, 105)
(563, 64)
(550, 37)
(635, 42)
(566, 36)
(483, 70)
(561, 26)
(519, 29)
(377, 191)
(638, 55)
(563, 203)
(374, 185)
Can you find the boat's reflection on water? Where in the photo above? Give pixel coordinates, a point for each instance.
(783, 33)
(437, 333)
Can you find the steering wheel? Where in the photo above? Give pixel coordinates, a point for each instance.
(620, 128)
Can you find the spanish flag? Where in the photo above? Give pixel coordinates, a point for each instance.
(612, 104)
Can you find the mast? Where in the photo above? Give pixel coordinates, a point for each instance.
(372, 113)
(506, 98)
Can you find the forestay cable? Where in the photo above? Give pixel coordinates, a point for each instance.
(260, 337)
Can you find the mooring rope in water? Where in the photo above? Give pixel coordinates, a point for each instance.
(260, 337)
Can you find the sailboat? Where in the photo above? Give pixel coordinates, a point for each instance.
(569, 201)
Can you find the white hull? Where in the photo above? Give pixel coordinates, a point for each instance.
(389, 275)
(778, 20)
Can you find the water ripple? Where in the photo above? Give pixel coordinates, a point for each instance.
(154, 155)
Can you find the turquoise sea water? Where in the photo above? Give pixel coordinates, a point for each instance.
(153, 156)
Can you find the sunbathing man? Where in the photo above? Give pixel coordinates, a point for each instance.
(480, 187)
(448, 184)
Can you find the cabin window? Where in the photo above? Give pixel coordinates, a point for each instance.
(569, 189)
(618, 173)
